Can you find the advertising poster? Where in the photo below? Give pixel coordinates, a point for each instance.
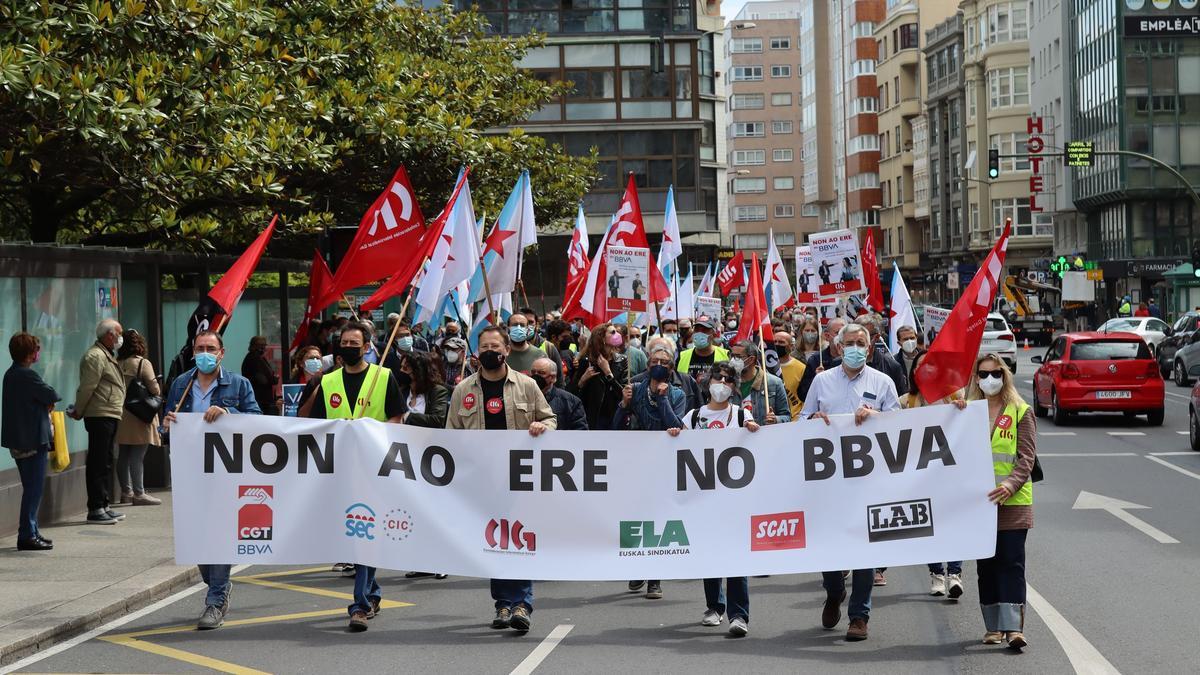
(291, 399)
(628, 271)
(806, 280)
(708, 306)
(837, 263)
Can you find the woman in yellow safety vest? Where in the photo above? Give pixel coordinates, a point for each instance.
(1014, 450)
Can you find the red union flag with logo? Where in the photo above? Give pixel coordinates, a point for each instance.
(734, 275)
(946, 367)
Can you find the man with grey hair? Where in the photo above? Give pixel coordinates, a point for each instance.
(878, 355)
(765, 401)
(691, 390)
(567, 407)
(100, 402)
(852, 388)
(829, 356)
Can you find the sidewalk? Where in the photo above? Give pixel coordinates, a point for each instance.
(95, 573)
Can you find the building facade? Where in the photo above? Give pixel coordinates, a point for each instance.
(854, 60)
(762, 57)
(818, 106)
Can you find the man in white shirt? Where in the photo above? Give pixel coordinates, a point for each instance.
(851, 388)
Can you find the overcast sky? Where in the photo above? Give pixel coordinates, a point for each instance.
(730, 8)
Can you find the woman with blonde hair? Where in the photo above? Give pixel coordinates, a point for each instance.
(1014, 451)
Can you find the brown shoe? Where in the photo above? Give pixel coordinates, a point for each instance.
(993, 637)
(857, 631)
(358, 622)
(145, 499)
(1016, 640)
(520, 619)
(832, 614)
(375, 609)
(880, 578)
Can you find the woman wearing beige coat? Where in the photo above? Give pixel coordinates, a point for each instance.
(133, 435)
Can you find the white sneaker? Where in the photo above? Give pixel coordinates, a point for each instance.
(711, 618)
(954, 587)
(937, 584)
(738, 627)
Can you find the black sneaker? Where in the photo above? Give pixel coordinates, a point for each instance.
(115, 515)
(100, 518)
(520, 619)
(503, 618)
(418, 575)
(654, 590)
(212, 618)
(34, 545)
(635, 586)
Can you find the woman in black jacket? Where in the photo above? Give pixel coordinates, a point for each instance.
(427, 400)
(25, 431)
(599, 375)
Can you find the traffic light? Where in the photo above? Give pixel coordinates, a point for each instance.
(994, 163)
(1196, 259)
(1060, 266)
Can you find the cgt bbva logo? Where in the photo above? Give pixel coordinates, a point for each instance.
(505, 537)
(640, 538)
(255, 518)
(900, 520)
(360, 522)
(777, 531)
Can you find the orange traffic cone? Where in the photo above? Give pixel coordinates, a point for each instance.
(1026, 347)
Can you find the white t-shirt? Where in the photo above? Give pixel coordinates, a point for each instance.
(707, 418)
(416, 404)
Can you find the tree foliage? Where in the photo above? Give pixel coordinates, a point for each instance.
(187, 122)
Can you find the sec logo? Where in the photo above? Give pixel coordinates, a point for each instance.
(335, 400)
(1004, 422)
(495, 405)
(469, 401)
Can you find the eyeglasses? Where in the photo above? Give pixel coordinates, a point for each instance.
(982, 374)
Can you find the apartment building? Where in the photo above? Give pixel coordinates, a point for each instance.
(818, 107)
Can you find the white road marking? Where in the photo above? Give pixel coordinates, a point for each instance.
(1171, 393)
(1084, 657)
(1183, 433)
(1174, 468)
(1173, 454)
(1027, 381)
(1087, 454)
(543, 650)
(1126, 433)
(111, 625)
(1056, 433)
(1120, 509)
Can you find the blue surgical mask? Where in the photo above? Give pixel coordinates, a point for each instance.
(312, 366)
(854, 356)
(206, 362)
(405, 343)
(517, 334)
(701, 340)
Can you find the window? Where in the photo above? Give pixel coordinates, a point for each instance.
(747, 101)
(908, 37)
(1018, 210)
(784, 183)
(863, 67)
(862, 181)
(781, 99)
(781, 127)
(749, 157)
(863, 143)
(1007, 23)
(785, 239)
(745, 45)
(1008, 87)
(781, 71)
(1010, 144)
(749, 213)
(866, 104)
(745, 185)
(752, 241)
(747, 73)
(810, 210)
(748, 129)
(781, 43)
(785, 211)
(781, 155)
(863, 29)
(971, 100)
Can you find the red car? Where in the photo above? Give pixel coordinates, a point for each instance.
(1098, 372)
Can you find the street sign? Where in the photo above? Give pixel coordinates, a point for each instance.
(1080, 153)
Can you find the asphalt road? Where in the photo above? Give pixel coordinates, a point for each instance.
(1111, 591)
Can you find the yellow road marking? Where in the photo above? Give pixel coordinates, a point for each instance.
(316, 591)
(285, 573)
(237, 622)
(186, 657)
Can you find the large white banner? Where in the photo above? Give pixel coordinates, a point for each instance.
(907, 487)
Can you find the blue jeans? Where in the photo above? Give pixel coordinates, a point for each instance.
(33, 480)
(510, 593)
(739, 597)
(217, 578)
(954, 567)
(366, 589)
(860, 591)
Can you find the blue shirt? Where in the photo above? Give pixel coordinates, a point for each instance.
(833, 392)
(201, 398)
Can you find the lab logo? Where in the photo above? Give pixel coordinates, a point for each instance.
(505, 536)
(360, 522)
(777, 531)
(255, 519)
(335, 400)
(397, 524)
(900, 520)
(643, 538)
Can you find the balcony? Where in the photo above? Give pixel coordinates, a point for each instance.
(910, 107)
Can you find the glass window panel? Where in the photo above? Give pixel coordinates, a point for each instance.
(683, 109)
(1189, 74)
(683, 83)
(588, 56)
(591, 111)
(635, 54)
(645, 109)
(1166, 144)
(660, 173)
(608, 175)
(685, 143)
(1162, 75)
(683, 54)
(549, 113)
(541, 57)
(1189, 145)
(582, 143)
(637, 167)
(685, 172)
(590, 21)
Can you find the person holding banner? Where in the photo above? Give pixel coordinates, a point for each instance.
(1014, 451)
(719, 413)
(687, 385)
(210, 388)
(851, 388)
(359, 389)
(498, 398)
(745, 358)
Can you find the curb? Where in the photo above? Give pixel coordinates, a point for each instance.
(72, 627)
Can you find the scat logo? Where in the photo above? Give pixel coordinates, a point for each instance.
(360, 522)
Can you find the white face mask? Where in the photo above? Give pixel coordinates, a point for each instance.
(738, 364)
(720, 392)
(909, 346)
(991, 386)
(451, 356)
(120, 341)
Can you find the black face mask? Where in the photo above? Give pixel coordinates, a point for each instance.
(541, 381)
(564, 345)
(403, 379)
(350, 356)
(491, 360)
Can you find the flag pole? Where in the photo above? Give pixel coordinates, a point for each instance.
(349, 304)
(487, 285)
(762, 362)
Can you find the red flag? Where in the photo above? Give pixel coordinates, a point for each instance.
(386, 239)
(871, 271)
(732, 277)
(577, 265)
(319, 279)
(946, 367)
(755, 314)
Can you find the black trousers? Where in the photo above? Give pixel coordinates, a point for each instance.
(1002, 583)
(102, 436)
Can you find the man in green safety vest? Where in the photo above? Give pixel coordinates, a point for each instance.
(359, 389)
(697, 360)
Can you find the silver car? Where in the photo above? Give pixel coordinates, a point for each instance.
(998, 339)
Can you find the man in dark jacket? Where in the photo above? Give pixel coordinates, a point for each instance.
(691, 390)
(566, 406)
(257, 368)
